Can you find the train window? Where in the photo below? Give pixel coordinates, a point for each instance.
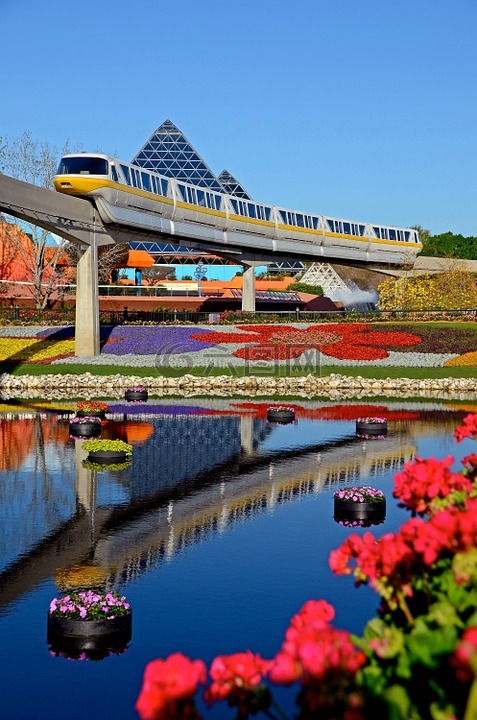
(347, 228)
(361, 230)
(125, 170)
(300, 221)
(252, 212)
(218, 202)
(182, 191)
(376, 231)
(80, 165)
(407, 235)
(392, 234)
(234, 206)
(283, 216)
(114, 173)
(146, 181)
(201, 198)
(331, 224)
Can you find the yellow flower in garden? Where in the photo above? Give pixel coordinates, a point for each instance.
(33, 350)
(466, 360)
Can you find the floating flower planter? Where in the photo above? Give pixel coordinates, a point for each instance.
(137, 394)
(371, 426)
(91, 408)
(87, 621)
(107, 452)
(85, 427)
(281, 414)
(359, 503)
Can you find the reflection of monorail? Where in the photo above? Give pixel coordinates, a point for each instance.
(128, 195)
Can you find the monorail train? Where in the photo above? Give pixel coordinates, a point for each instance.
(128, 195)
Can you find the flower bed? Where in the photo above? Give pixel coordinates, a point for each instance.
(339, 343)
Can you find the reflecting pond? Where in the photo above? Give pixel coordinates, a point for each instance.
(217, 533)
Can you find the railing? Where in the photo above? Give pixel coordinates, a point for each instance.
(164, 316)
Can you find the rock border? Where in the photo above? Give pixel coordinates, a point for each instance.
(333, 386)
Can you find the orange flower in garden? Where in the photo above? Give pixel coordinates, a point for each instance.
(168, 688)
(354, 341)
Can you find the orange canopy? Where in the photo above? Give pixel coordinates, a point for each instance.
(138, 258)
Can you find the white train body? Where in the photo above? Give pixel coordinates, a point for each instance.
(128, 195)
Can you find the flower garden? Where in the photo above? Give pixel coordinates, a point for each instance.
(404, 344)
(416, 659)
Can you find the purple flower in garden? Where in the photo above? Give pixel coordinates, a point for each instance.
(162, 340)
(362, 493)
(139, 339)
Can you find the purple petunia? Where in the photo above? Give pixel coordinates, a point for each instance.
(139, 339)
(162, 340)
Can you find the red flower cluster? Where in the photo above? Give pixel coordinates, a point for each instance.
(422, 481)
(468, 429)
(322, 658)
(354, 341)
(234, 675)
(464, 658)
(168, 688)
(91, 406)
(390, 563)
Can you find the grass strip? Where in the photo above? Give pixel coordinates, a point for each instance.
(371, 371)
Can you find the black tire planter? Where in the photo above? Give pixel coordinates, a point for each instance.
(135, 395)
(96, 413)
(85, 429)
(66, 628)
(371, 428)
(281, 416)
(106, 457)
(349, 510)
(94, 638)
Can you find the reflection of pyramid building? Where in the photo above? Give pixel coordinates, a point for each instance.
(169, 153)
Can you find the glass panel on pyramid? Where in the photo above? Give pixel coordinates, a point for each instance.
(169, 153)
(232, 186)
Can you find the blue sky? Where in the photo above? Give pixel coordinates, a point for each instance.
(359, 109)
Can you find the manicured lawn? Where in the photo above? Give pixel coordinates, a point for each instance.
(366, 372)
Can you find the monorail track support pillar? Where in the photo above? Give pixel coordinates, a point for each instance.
(248, 287)
(87, 300)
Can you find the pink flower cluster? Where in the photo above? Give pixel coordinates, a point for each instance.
(468, 429)
(88, 605)
(423, 481)
(313, 653)
(390, 563)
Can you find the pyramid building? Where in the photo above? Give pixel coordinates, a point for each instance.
(232, 186)
(169, 153)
